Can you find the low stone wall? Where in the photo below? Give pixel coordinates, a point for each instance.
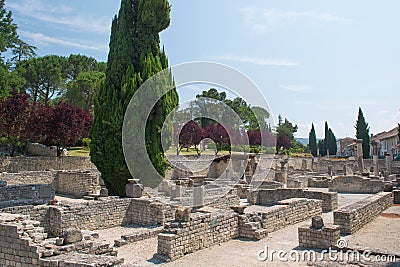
(318, 182)
(23, 242)
(323, 238)
(396, 196)
(77, 183)
(93, 215)
(149, 212)
(321, 165)
(202, 231)
(272, 197)
(352, 217)
(226, 202)
(20, 164)
(15, 250)
(286, 212)
(356, 184)
(21, 178)
(26, 195)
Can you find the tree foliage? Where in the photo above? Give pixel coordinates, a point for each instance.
(8, 30)
(14, 118)
(312, 141)
(362, 132)
(190, 135)
(252, 117)
(329, 143)
(80, 91)
(134, 56)
(44, 77)
(22, 121)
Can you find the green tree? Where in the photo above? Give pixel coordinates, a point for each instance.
(287, 129)
(312, 141)
(21, 50)
(134, 56)
(362, 132)
(9, 81)
(8, 30)
(44, 77)
(329, 142)
(81, 63)
(81, 90)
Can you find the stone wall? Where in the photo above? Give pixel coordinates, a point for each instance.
(356, 184)
(396, 196)
(17, 195)
(318, 182)
(36, 177)
(23, 242)
(352, 217)
(102, 214)
(15, 250)
(20, 164)
(322, 238)
(272, 197)
(77, 183)
(38, 213)
(284, 213)
(144, 211)
(226, 202)
(202, 231)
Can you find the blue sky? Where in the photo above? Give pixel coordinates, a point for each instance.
(313, 60)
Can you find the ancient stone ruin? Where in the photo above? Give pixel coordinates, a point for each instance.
(56, 211)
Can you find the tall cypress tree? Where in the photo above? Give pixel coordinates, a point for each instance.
(134, 56)
(329, 141)
(362, 132)
(312, 141)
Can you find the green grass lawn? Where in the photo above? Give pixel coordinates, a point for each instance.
(79, 151)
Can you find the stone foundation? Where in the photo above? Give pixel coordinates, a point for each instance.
(323, 238)
(202, 231)
(352, 217)
(356, 184)
(77, 183)
(93, 215)
(23, 242)
(272, 197)
(18, 195)
(286, 212)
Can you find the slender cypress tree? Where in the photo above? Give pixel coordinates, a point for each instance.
(332, 142)
(134, 56)
(362, 132)
(312, 141)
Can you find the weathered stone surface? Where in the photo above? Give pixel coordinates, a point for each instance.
(317, 222)
(72, 235)
(323, 238)
(352, 217)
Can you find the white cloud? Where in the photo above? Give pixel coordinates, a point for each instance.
(61, 15)
(256, 60)
(295, 88)
(263, 20)
(39, 38)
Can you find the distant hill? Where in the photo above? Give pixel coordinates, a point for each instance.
(304, 141)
